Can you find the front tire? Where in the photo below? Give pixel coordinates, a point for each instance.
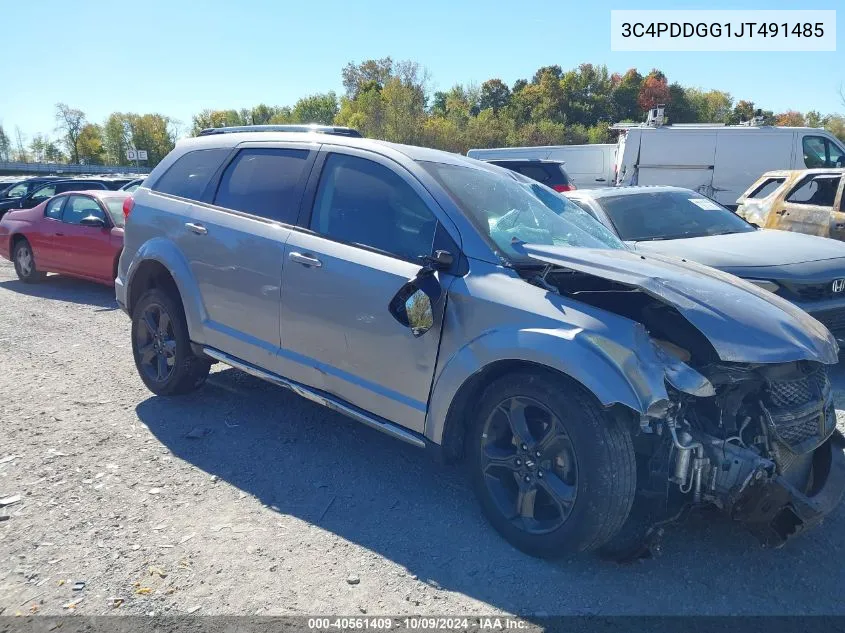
(25, 263)
(162, 347)
(554, 473)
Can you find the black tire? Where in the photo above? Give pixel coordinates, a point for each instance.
(603, 487)
(24, 260)
(183, 371)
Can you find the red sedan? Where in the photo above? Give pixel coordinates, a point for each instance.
(79, 233)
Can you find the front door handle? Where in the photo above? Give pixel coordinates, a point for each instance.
(781, 212)
(600, 179)
(199, 229)
(60, 234)
(305, 260)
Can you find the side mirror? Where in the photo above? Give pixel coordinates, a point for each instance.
(92, 220)
(413, 305)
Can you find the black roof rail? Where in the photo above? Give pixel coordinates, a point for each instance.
(320, 129)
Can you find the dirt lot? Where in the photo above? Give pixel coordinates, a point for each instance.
(245, 499)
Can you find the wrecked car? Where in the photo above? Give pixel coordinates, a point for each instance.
(804, 200)
(593, 392)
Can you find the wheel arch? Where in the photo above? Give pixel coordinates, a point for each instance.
(159, 264)
(624, 385)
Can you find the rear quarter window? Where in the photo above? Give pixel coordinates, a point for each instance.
(190, 174)
(766, 188)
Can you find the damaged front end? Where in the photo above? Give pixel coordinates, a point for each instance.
(746, 422)
(760, 447)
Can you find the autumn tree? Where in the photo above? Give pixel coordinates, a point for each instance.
(495, 95)
(654, 91)
(790, 118)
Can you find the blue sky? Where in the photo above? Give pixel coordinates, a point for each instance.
(177, 57)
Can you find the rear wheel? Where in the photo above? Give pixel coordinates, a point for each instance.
(554, 473)
(162, 347)
(25, 263)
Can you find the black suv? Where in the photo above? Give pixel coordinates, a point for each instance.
(549, 172)
(47, 190)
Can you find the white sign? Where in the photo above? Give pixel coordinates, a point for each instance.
(142, 154)
(704, 203)
(131, 154)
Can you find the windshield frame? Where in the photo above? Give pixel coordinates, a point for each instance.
(506, 258)
(600, 200)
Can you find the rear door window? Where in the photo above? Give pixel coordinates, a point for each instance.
(40, 195)
(767, 188)
(818, 190)
(265, 182)
(190, 174)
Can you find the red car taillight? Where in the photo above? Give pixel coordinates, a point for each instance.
(562, 188)
(128, 205)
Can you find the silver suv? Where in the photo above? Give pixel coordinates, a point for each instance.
(593, 392)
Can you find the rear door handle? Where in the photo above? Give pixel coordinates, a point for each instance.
(60, 234)
(781, 212)
(600, 179)
(199, 229)
(305, 260)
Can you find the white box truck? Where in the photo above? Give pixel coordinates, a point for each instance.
(719, 161)
(588, 166)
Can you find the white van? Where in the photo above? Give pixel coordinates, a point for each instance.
(588, 166)
(720, 161)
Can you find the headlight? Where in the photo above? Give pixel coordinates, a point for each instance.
(765, 284)
(680, 375)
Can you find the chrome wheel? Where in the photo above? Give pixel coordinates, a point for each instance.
(156, 343)
(529, 465)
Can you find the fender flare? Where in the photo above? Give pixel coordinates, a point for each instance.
(165, 252)
(615, 371)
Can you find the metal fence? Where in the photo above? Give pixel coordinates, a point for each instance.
(8, 167)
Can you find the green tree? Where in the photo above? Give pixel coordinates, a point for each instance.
(624, 94)
(70, 121)
(711, 106)
(743, 111)
(89, 144)
(814, 119)
(680, 110)
(318, 108)
(835, 124)
(356, 77)
(495, 95)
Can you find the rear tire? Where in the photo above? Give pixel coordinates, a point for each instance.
(162, 347)
(588, 478)
(24, 260)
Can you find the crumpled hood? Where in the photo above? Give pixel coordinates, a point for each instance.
(757, 248)
(743, 322)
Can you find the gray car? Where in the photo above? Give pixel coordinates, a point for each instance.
(805, 269)
(442, 301)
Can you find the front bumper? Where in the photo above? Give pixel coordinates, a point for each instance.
(774, 510)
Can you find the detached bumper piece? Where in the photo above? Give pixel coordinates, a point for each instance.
(774, 510)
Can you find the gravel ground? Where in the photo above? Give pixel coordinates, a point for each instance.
(244, 499)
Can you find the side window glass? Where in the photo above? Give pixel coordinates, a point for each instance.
(42, 194)
(78, 207)
(54, 208)
(361, 202)
(835, 156)
(816, 190)
(265, 182)
(190, 174)
(814, 151)
(17, 191)
(767, 188)
(535, 172)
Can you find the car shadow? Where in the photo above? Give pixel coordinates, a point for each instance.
(68, 289)
(302, 460)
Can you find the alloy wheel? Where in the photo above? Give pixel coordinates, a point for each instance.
(156, 343)
(529, 465)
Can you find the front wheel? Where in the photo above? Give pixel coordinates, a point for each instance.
(162, 347)
(553, 472)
